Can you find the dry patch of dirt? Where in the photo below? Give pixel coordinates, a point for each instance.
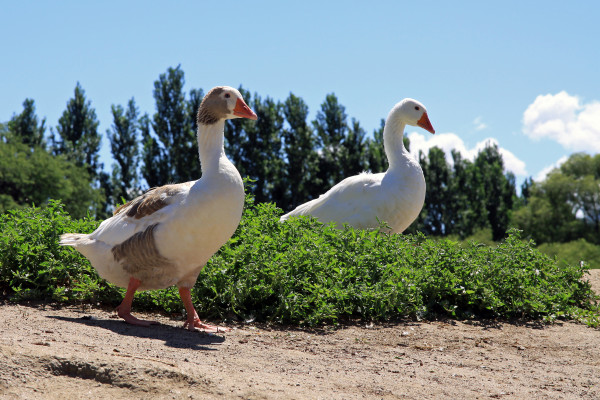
(75, 353)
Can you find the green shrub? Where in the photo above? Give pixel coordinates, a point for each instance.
(303, 272)
(574, 252)
(480, 235)
(32, 264)
(307, 273)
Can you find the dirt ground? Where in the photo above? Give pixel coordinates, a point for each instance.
(77, 353)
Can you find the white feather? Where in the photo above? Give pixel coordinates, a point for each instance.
(395, 197)
(200, 217)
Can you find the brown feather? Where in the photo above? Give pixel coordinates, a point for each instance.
(150, 202)
(139, 255)
(212, 108)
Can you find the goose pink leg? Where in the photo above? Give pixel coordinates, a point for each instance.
(124, 309)
(193, 321)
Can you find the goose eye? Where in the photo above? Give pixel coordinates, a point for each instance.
(227, 95)
(417, 108)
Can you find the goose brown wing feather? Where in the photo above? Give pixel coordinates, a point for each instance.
(151, 201)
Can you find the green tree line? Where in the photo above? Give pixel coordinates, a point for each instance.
(291, 159)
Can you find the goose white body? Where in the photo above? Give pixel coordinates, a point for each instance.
(198, 220)
(395, 197)
(166, 236)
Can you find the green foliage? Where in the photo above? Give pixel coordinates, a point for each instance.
(262, 157)
(566, 205)
(154, 170)
(467, 196)
(574, 252)
(293, 160)
(480, 235)
(341, 146)
(300, 153)
(78, 137)
(30, 174)
(303, 272)
(569, 253)
(124, 148)
(438, 219)
(24, 127)
(34, 266)
(171, 154)
(498, 189)
(376, 158)
(548, 216)
(79, 142)
(33, 176)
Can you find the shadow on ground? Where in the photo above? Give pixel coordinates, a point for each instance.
(171, 336)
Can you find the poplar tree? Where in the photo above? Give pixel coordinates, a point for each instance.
(301, 167)
(263, 155)
(78, 137)
(354, 156)
(169, 120)
(498, 189)
(461, 216)
(468, 196)
(173, 147)
(331, 128)
(154, 168)
(376, 158)
(26, 128)
(124, 146)
(79, 141)
(193, 103)
(437, 175)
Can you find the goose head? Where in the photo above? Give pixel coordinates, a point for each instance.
(411, 112)
(221, 103)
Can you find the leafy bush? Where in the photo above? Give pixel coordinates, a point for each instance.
(34, 266)
(303, 272)
(569, 253)
(33, 175)
(574, 252)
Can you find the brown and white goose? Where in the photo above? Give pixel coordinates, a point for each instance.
(395, 196)
(166, 236)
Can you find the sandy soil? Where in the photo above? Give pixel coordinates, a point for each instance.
(77, 353)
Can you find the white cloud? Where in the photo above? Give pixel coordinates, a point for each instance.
(445, 141)
(512, 163)
(450, 141)
(564, 119)
(479, 124)
(546, 170)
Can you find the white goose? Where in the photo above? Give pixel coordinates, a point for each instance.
(395, 196)
(166, 236)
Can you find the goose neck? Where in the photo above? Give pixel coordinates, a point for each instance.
(393, 143)
(211, 147)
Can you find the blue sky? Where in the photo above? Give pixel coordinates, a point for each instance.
(524, 74)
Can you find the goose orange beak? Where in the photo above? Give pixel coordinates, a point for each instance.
(243, 111)
(424, 123)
